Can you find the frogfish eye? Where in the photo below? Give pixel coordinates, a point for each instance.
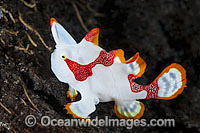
(63, 56)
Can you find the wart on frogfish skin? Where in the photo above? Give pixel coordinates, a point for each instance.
(94, 72)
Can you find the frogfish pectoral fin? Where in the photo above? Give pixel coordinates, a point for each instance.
(81, 109)
(129, 109)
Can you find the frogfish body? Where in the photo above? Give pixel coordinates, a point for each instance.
(102, 76)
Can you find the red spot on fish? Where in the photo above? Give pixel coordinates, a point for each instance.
(152, 89)
(82, 72)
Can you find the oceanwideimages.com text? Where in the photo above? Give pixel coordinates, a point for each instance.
(105, 122)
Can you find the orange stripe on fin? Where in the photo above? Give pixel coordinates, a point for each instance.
(76, 116)
(138, 116)
(93, 36)
(183, 78)
(71, 112)
(52, 21)
(133, 58)
(120, 54)
(136, 57)
(142, 65)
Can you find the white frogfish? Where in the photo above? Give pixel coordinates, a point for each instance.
(101, 76)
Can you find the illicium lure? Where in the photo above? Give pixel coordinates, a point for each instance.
(102, 76)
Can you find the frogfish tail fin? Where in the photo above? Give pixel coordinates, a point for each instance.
(169, 84)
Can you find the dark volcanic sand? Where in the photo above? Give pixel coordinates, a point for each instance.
(163, 31)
